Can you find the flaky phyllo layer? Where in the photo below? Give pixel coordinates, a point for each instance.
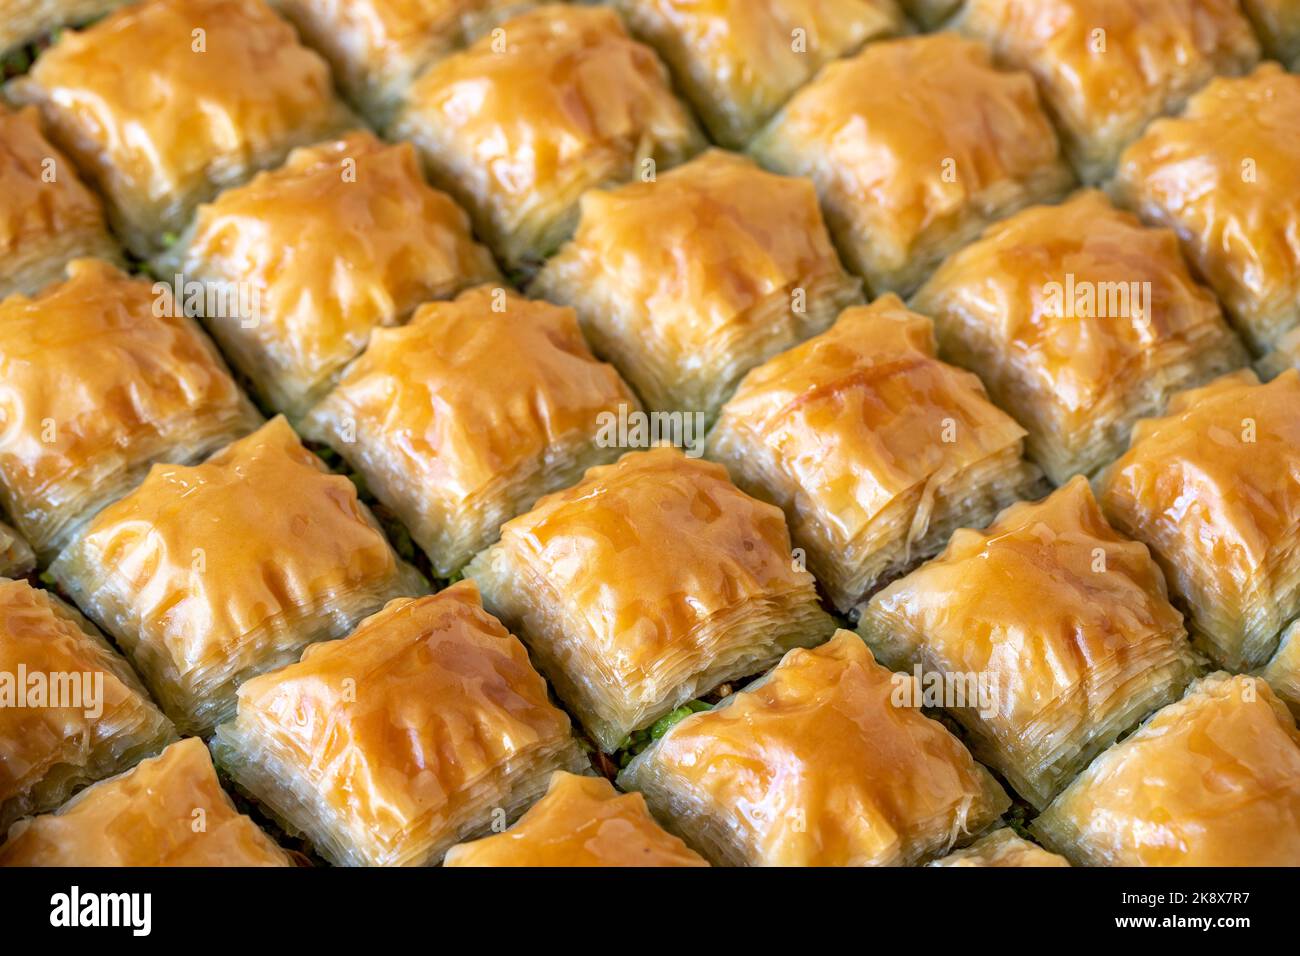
(875, 449)
(209, 574)
(817, 764)
(1065, 623)
(1233, 560)
(647, 584)
(424, 727)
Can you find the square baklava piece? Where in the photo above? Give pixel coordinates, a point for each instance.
(344, 238)
(424, 727)
(209, 574)
(47, 215)
(817, 763)
(103, 375)
(1223, 177)
(1081, 321)
(582, 821)
(1002, 848)
(557, 101)
(875, 449)
(739, 60)
(1065, 624)
(165, 102)
(914, 146)
(1213, 488)
(378, 47)
(1106, 68)
(168, 810)
(1212, 780)
(1278, 25)
(71, 710)
(462, 419)
(687, 282)
(647, 584)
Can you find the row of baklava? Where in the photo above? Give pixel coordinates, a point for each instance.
(876, 361)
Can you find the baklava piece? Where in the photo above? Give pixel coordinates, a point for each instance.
(1106, 68)
(165, 102)
(424, 727)
(914, 146)
(300, 265)
(1278, 24)
(817, 764)
(1212, 780)
(1213, 488)
(1223, 177)
(688, 282)
(1283, 671)
(16, 556)
(465, 417)
(518, 126)
(1002, 848)
(648, 584)
(1049, 634)
(26, 21)
(582, 821)
(71, 710)
(739, 60)
(1081, 321)
(209, 574)
(47, 216)
(102, 376)
(875, 449)
(169, 810)
(378, 47)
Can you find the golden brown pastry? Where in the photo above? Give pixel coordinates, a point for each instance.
(1106, 68)
(739, 60)
(687, 282)
(462, 419)
(1278, 24)
(16, 556)
(342, 239)
(914, 146)
(1051, 633)
(378, 47)
(1081, 321)
(165, 102)
(102, 376)
(647, 584)
(817, 764)
(582, 821)
(209, 574)
(875, 449)
(1283, 671)
(1212, 780)
(1002, 848)
(169, 810)
(424, 727)
(557, 101)
(1223, 177)
(71, 710)
(47, 216)
(1213, 488)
